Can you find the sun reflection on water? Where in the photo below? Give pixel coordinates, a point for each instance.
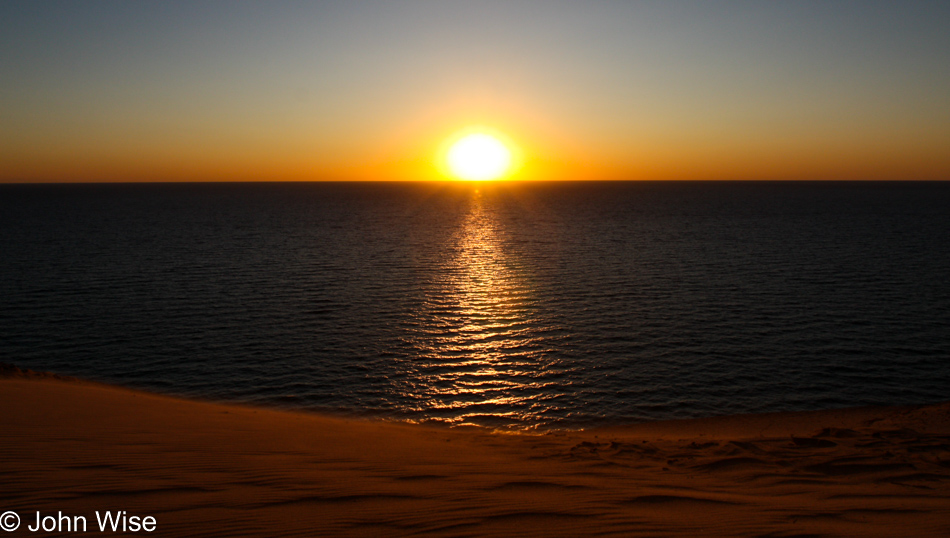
(483, 355)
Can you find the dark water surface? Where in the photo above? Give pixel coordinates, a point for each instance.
(507, 305)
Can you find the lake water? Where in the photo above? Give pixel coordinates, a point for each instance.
(510, 305)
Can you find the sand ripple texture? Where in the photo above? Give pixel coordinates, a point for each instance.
(504, 305)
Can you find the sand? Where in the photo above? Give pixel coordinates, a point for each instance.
(206, 469)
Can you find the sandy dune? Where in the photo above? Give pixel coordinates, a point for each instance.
(203, 469)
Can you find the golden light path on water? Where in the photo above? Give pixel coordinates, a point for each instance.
(484, 355)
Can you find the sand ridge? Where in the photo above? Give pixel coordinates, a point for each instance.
(206, 469)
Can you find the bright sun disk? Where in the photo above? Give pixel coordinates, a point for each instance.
(479, 157)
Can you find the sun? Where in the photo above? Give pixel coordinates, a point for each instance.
(479, 157)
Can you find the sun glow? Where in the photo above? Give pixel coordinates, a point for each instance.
(479, 157)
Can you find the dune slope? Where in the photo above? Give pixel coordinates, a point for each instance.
(205, 469)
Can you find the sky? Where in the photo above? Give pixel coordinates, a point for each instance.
(370, 90)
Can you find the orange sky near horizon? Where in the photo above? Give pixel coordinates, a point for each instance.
(218, 91)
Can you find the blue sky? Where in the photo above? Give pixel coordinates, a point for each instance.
(111, 90)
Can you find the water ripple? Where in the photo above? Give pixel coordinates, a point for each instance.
(507, 305)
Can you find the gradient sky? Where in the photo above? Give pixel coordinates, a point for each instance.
(233, 90)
